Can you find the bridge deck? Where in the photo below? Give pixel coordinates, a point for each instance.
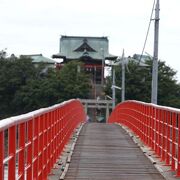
(106, 151)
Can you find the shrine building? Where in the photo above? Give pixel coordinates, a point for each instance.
(92, 51)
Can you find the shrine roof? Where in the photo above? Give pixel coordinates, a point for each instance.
(75, 47)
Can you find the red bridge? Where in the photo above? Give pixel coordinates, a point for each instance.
(31, 144)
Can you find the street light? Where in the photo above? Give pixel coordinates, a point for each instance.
(117, 87)
(109, 97)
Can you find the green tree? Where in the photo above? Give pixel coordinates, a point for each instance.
(74, 81)
(138, 84)
(37, 93)
(169, 89)
(24, 87)
(13, 74)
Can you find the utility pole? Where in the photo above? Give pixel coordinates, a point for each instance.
(154, 91)
(113, 87)
(123, 79)
(102, 70)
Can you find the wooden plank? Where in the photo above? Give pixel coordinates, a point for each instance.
(106, 151)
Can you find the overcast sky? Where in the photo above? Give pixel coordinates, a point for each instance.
(35, 26)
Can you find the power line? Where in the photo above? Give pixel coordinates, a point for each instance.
(147, 31)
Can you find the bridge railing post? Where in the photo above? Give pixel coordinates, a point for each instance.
(29, 148)
(36, 146)
(164, 134)
(159, 133)
(153, 127)
(178, 159)
(21, 158)
(12, 152)
(1, 155)
(173, 157)
(168, 138)
(149, 126)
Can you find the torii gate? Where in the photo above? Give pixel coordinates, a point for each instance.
(95, 103)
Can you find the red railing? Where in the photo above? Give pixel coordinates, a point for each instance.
(157, 126)
(30, 144)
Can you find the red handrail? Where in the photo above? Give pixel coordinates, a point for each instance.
(30, 144)
(157, 126)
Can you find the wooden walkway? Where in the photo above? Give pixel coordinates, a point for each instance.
(106, 152)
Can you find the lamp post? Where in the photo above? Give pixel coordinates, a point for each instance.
(122, 88)
(113, 87)
(123, 78)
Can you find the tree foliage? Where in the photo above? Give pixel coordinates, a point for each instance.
(138, 84)
(24, 87)
(13, 75)
(75, 84)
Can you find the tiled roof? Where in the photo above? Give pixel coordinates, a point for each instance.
(37, 58)
(74, 47)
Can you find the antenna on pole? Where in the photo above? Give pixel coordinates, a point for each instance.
(154, 91)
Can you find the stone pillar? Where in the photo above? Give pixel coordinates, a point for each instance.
(86, 107)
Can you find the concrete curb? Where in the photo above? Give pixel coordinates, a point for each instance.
(71, 152)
